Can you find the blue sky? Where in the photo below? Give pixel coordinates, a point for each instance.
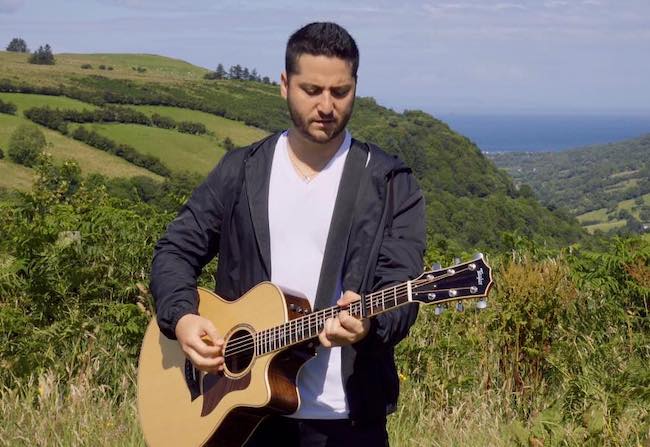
(453, 56)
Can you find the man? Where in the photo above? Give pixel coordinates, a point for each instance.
(321, 215)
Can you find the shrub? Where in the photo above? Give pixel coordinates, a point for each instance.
(163, 122)
(26, 145)
(228, 144)
(2, 154)
(86, 66)
(191, 127)
(7, 107)
(102, 67)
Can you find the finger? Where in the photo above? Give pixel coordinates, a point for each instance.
(211, 332)
(207, 364)
(348, 297)
(205, 349)
(349, 323)
(324, 340)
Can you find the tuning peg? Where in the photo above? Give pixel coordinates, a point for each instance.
(436, 266)
(460, 307)
(439, 309)
(481, 304)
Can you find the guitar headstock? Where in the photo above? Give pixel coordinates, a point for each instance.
(469, 280)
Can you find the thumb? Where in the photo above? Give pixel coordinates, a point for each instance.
(348, 297)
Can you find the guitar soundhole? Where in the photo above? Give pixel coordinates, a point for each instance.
(239, 351)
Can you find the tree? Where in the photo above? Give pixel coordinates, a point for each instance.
(221, 72)
(17, 45)
(26, 145)
(254, 76)
(245, 75)
(42, 56)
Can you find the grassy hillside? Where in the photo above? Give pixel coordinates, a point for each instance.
(470, 203)
(602, 185)
(181, 152)
(90, 160)
(159, 68)
(221, 127)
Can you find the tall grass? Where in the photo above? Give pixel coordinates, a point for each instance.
(552, 362)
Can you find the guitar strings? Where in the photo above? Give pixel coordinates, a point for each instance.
(272, 337)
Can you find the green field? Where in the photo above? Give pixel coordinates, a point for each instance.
(14, 176)
(178, 151)
(90, 160)
(237, 131)
(605, 219)
(25, 101)
(599, 215)
(158, 68)
(606, 226)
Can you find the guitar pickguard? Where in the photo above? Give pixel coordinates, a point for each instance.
(216, 386)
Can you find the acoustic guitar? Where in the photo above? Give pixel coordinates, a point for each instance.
(269, 335)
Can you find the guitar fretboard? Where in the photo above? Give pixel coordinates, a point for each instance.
(309, 326)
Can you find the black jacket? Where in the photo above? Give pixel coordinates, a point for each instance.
(381, 243)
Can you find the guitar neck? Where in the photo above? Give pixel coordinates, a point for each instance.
(309, 326)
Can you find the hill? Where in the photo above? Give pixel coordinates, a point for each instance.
(606, 186)
(470, 203)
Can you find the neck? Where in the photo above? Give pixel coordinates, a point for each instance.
(309, 326)
(315, 155)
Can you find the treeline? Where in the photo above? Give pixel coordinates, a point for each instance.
(239, 73)
(260, 110)
(125, 151)
(57, 119)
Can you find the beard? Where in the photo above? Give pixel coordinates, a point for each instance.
(302, 124)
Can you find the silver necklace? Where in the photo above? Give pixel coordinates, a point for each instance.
(306, 178)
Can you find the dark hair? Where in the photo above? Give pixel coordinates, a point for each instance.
(321, 39)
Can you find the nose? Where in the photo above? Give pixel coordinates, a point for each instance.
(326, 105)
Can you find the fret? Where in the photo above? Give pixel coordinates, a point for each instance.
(383, 301)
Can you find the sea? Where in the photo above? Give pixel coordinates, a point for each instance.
(533, 133)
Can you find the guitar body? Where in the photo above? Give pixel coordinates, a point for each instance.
(181, 406)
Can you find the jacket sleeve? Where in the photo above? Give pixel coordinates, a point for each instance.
(400, 258)
(189, 243)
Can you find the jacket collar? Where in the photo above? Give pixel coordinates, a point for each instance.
(257, 177)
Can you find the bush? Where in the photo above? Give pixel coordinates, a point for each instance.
(26, 145)
(7, 107)
(102, 67)
(191, 127)
(42, 56)
(228, 144)
(86, 66)
(2, 154)
(163, 122)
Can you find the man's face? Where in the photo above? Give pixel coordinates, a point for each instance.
(320, 96)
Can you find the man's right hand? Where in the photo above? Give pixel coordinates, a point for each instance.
(200, 342)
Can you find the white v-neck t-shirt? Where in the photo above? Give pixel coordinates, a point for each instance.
(300, 213)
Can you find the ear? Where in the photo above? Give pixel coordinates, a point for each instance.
(284, 84)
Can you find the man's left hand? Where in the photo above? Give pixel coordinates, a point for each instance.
(344, 329)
